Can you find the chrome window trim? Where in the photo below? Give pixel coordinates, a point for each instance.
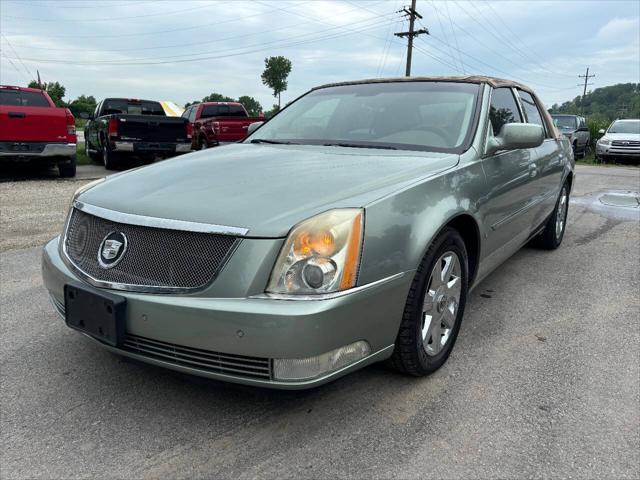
(325, 296)
(132, 287)
(157, 222)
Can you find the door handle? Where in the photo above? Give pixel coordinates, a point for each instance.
(17, 114)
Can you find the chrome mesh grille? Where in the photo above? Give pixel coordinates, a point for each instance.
(205, 360)
(625, 143)
(155, 257)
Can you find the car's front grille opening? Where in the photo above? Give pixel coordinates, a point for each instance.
(204, 360)
(154, 258)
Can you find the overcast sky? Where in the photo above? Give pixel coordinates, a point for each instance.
(184, 50)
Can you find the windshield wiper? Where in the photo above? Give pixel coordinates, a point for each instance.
(359, 145)
(275, 142)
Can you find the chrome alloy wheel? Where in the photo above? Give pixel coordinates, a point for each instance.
(441, 302)
(561, 214)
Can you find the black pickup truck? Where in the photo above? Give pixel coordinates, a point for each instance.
(122, 128)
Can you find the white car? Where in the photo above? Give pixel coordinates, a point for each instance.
(620, 141)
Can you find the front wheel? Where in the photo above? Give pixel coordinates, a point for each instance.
(553, 233)
(435, 307)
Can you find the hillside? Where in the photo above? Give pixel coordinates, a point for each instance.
(606, 103)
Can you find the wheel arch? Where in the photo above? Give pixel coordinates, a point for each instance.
(468, 228)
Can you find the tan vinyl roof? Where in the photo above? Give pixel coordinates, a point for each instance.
(492, 81)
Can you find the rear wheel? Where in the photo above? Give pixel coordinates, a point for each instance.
(109, 158)
(67, 169)
(434, 308)
(553, 233)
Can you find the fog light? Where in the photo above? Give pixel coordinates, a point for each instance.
(290, 369)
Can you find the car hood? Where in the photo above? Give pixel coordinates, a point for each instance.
(264, 188)
(623, 136)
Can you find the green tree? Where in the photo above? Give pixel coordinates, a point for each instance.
(55, 90)
(251, 104)
(605, 104)
(217, 97)
(276, 71)
(84, 103)
(270, 113)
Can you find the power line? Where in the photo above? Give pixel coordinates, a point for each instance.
(156, 32)
(14, 66)
(412, 14)
(263, 46)
(455, 37)
(108, 19)
(527, 49)
(58, 6)
(18, 56)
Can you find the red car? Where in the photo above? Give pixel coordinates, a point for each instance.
(33, 129)
(217, 123)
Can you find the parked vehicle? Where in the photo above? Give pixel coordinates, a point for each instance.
(574, 127)
(123, 128)
(347, 230)
(33, 129)
(621, 141)
(217, 123)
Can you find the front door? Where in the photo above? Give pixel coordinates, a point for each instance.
(511, 186)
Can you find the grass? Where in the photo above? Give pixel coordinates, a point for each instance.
(81, 158)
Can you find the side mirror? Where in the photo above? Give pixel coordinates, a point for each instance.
(514, 136)
(86, 116)
(601, 131)
(261, 115)
(253, 127)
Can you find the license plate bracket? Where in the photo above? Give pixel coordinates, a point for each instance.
(99, 314)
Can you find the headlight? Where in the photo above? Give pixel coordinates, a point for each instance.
(84, 188)
(604, 141)
(320, 255)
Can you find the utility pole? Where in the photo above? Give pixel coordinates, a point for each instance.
(412, 14)
(586, 77)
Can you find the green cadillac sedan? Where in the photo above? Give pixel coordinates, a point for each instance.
(348, 229)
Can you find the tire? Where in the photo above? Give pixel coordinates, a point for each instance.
(553, 233)
(416, 352)
(67, 169)
(90, 155)
(109, 158)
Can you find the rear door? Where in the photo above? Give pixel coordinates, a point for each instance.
(549, 164)
(28, 116)
(511, 190)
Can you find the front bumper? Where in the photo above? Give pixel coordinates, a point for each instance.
(253, 327)
(34, 150)
(617, 151)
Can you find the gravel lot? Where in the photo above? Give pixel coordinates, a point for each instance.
(543, 382)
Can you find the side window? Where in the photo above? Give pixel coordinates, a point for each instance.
(531, 111)
(194, 112)
(186, 113)
(503, 109)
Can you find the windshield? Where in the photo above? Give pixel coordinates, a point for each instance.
(625, 127)
(434, 116)
(564, 121)
(132, 107)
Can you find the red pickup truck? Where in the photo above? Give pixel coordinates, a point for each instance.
(33, 129)
(217, 123)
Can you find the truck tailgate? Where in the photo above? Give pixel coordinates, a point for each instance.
(232, 129)
(32, 124)
(151, 128)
